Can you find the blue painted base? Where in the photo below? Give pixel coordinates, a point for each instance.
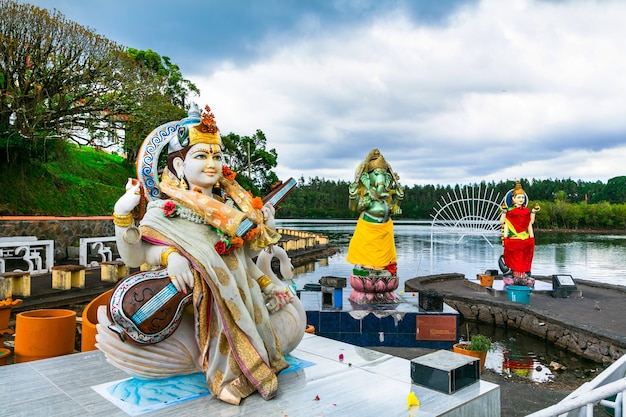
(391, 325)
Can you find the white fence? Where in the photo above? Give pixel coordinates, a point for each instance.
(27, 251)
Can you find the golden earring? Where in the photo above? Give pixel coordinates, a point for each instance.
(183, 183)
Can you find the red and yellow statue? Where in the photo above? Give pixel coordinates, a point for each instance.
(518, 238)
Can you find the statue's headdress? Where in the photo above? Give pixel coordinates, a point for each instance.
(518, 188)
(196, 128)
(376, 160)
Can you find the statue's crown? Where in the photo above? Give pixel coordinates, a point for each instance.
(196, 128)
(518, 188)
(206, 131)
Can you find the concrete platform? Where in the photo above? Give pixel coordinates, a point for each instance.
(404, 324)
(366, 383)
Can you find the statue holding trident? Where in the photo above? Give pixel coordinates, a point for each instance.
(376, 193)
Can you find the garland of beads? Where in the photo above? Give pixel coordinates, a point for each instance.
(181, 211)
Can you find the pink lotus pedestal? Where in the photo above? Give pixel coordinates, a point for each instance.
(373, 286)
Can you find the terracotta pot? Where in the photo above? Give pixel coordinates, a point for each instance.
(5, 314)
(90, 319)
(486, 280)
(461, 348)
(4, 355)
(309, 329)
(46, 333)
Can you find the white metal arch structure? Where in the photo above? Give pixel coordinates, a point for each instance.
(471, 211)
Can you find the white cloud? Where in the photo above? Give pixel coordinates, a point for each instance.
(506, 89)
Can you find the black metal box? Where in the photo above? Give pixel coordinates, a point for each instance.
(333, 282)
(445, 371)
(431, 300)
(564, 286)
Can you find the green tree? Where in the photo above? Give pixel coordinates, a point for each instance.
(59, 79)
(253, 163)
(173, 86)
(615, 190)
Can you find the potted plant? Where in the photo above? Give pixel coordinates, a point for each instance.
(477, 347)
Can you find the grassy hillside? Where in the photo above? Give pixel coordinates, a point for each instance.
(86, 182)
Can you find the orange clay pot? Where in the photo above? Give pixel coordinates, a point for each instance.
(41, 334)
(90, 319)
(309, 329)
(461, 348)
(4, 355)
(5, 314)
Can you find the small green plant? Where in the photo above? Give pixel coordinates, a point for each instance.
(479, 343)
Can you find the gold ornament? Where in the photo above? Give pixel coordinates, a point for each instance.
(166, 253)
(206, 131)
(183, 183)
(122, 220)
(263, 281)
(518, 188)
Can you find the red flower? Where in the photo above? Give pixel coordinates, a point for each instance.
(169, 208)
(220, 247)
(392, 267)
(227, 173)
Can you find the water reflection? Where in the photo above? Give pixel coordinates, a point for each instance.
(526, 356)
(593, 257)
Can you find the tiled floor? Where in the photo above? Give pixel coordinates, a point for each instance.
(364, 383)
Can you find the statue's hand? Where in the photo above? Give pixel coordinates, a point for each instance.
(277, 297)
(179, 269)
(397, 211)
(269, 212)
(130, 199)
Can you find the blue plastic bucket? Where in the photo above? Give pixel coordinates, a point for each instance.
(518, 294)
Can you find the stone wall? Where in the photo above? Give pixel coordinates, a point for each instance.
(65, 231)
(570, 337)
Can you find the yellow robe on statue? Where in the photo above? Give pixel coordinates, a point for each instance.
(372, 244)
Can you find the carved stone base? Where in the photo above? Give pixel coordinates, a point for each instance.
(372, 286)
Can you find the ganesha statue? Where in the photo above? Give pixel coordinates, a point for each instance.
(376, 193)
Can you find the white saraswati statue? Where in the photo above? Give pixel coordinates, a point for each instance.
(210, 308)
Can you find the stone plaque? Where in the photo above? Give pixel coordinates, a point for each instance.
(436, 327)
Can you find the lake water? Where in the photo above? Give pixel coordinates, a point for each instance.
(593, 257)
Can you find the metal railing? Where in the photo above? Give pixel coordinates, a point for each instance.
(598, 392)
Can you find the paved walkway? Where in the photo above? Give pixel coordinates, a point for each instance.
(600, 311)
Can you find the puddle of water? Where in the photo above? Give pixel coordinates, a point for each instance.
(527, 356)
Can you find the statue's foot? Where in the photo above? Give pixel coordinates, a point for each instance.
(227, 395)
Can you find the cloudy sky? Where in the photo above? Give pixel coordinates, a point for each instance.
(450, 91)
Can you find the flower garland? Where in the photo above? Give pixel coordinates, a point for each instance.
(228, 174)
(225, 245)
